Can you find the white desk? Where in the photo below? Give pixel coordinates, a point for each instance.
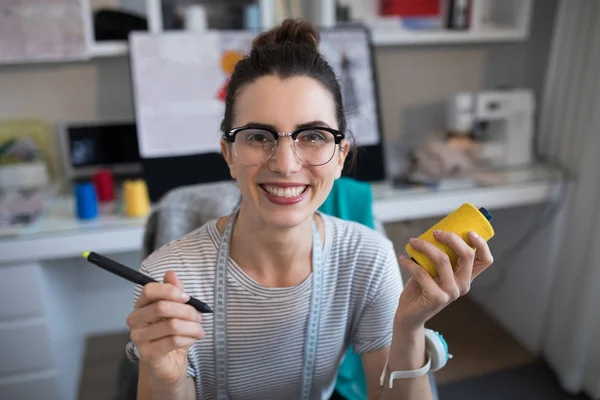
(52, 300)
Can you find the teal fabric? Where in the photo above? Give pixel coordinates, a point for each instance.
(351, 200)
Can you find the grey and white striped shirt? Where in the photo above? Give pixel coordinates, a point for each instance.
(266, 326)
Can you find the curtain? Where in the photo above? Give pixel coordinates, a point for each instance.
(570, 135)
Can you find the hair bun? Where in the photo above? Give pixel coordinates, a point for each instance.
(293, 31)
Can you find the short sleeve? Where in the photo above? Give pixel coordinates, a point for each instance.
(374, 329)
(131, 350)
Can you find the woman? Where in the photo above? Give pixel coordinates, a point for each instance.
(298, 286)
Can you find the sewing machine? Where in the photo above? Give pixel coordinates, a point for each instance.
(501, 122)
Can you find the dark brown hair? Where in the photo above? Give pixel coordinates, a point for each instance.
(288, 50)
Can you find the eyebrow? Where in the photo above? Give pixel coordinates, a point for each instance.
(309, 124)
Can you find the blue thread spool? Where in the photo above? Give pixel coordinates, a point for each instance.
(86, 201)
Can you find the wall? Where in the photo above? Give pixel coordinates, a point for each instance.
(414, 82)
(58, 92)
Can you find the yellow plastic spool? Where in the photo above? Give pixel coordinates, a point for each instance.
(461, 221)
(136, 199)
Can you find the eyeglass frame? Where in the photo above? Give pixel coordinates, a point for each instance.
(337, 135)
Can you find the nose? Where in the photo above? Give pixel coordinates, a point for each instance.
(284, 160)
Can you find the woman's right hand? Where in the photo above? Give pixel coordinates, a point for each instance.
(164, 328)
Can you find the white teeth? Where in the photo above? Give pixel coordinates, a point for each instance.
(285, 192)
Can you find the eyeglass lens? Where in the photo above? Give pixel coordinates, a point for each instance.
(255, 146)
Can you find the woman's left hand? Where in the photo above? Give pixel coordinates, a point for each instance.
(423, 296)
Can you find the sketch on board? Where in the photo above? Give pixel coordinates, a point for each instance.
(175, 78)
(229, 58)
(349, 96)
(180, 86)
(234, 45)
(348, 53)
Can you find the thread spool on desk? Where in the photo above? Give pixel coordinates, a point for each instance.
(135, 198)
(86, 201)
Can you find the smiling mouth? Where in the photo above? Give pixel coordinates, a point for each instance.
(288, 193)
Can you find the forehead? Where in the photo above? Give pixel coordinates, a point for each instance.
(284, 103)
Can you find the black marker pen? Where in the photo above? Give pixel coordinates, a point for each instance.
(134, 276)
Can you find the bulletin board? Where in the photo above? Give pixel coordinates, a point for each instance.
(41, 31)
(179, 80)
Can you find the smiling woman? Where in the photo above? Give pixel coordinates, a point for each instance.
(284, 96)
(270, 166)
(292, 288)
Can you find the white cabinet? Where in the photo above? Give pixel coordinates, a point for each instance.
(30, 387)
(21, 296)
(27, 363)
(26, 346)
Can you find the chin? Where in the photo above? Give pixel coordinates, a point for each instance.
(286, 219)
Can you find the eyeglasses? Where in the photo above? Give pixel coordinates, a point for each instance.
(255, 144)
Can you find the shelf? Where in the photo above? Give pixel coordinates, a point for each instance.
(396, 207)
(395, 37)
(381, 37)
(520, 187)
(108, 49)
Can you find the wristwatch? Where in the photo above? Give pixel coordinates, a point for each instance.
(437, 357)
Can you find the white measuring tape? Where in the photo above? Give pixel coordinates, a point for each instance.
(220, 313)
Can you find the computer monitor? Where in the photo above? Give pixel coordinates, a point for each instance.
(88, 146)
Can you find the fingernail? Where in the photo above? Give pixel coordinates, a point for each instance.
(185, 297)
(474, 235)
(401, 258)
(412, 240)
(436, 232)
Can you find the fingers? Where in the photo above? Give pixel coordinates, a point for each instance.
(420, 274)
(168, 327)
(161, 322)
(432, 294)
(442, 264)
(153, 292)
(171, 277)
(162, 309)
(464, 263)
(484, 256)
(154, 350)
(156, 340)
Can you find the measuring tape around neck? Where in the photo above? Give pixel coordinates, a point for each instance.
(220, 313)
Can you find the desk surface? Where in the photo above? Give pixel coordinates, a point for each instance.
(58, 234)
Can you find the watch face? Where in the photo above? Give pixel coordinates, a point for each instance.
(444, 343)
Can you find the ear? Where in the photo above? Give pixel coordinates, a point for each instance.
(228, 155)
(343, 150)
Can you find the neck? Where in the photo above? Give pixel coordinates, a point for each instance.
(272, 257)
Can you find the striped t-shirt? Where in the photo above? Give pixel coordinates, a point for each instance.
(266, 326)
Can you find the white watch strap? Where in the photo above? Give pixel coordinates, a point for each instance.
(415, 373)
(437, 357)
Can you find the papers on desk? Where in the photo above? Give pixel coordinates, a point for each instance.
(19, 208)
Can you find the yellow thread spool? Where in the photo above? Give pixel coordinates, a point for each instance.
(461, 221)
(136, 199)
